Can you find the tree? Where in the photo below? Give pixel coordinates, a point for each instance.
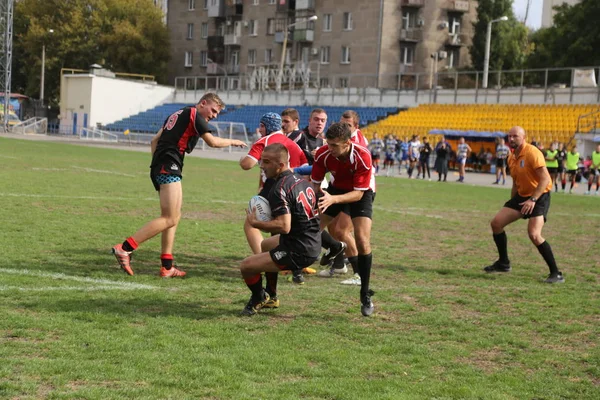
(122, 35)
(509, 45)
(573, 40)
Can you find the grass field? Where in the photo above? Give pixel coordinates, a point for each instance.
(73, 325)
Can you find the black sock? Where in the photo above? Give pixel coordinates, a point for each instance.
(127, 246)
(546, 252)
(364, 268)
(563, 184)
(354, 262)
(410, 170)
(255, 285)
(271, 283)
(589, 187)
(338, 261)
(571, 188)
(445, 176)
(502, 244)
(328, 242)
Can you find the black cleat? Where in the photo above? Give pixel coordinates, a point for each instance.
(330, 255)
(298, 278)
(555, 278)
(253, 307)
(498, 267)
(366, 306)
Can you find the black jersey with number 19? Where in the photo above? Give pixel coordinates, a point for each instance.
(180, 135)
(293, 195)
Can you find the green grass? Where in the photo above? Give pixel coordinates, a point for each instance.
(442, 328)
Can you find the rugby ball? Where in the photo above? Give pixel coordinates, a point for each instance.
(261, 207)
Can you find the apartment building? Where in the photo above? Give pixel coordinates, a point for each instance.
(548, 10)
(353, 43)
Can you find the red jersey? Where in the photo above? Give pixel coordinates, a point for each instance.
(352, 174)
(297, 157)
(358, 138)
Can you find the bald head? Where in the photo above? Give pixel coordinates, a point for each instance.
(516, 137)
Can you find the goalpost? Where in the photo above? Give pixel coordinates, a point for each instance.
(231, 130)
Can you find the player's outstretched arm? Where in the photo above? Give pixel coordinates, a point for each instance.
(214, 141)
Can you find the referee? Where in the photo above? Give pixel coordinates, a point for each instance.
(530, 199)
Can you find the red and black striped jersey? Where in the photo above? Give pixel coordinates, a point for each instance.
(354, 173)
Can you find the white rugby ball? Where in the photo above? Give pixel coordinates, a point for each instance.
(261, 207)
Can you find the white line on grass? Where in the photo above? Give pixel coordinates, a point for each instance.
(102, 171)
(57, 196)
(60, 276)
(65, 288)
(10, 157)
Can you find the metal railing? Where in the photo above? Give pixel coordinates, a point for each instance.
(35, 125)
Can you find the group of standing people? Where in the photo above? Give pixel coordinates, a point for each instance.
(566, 165)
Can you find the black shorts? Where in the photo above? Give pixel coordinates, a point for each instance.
(542, 205)
(288, 260)
(167, 167)
(375, 156)
(560, 170)
(552, 170)
(361, 208)
(572, 172)
(500, 162)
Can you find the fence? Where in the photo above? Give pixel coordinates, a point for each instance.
(309, 82)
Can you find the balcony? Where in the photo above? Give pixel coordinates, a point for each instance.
(304, 35)
(305, 4)
(285, 6)
(215, 43)
(411, 35)
(457, 40)
(407, 69)
(217, 10)
(456, 5)
(234, 8)
(280, 35)
(233, 69)
(232, 40)
(412, 3)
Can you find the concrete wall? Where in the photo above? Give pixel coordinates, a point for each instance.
(88, 99)
(391, 98)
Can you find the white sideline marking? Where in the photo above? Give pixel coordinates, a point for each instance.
(418, 214)
(50, 169)
(102, 171)
(59, 276)
(11, 157)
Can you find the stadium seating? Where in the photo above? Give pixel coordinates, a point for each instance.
(545, 123)
(152, 120)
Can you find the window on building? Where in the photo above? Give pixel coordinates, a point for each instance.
(272, 1)
(345, 55)
(409, 18)
(268, 56)
(188, 59)
(221, 29)
(191, 5)
(453, 57)
(454, 24)
(324, 82)
(270, 26)
(203, 58)
(407, 55)
(343, 82)
(255, 2)
(253, 27)
(206, 4)
(252, 57)
(325, 55)
(347, 21)
(190, 31)
(204, 30)
(327, 18)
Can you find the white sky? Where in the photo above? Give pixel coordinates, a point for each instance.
(534, 19)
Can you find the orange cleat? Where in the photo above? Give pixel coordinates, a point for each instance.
(123, 258)
(171, 273)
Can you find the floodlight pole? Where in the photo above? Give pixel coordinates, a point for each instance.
(488, 40)
(284, 47)
(43, 69)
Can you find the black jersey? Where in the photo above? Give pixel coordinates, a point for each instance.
(307, 143)
(291, 194)
(561, 156)
(181, 132)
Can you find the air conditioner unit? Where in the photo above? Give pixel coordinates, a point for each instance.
(444, 25)
(314, 51)
(420, 22)
(246, 23)
(228, 23)
(455, 39)
(442, 55)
